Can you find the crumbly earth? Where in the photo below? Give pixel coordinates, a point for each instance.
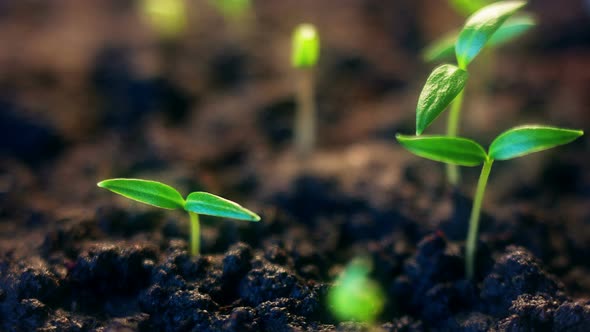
(218, 116)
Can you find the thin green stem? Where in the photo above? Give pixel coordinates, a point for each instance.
(452, 130)
(195, 233)
(471, 244)
(305, 122)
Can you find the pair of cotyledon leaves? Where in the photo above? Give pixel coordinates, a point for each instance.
(515, 142)
(447, 81)
(163, 196)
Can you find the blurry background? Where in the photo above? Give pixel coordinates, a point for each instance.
(92, 89)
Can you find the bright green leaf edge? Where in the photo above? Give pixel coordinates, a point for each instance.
(451, 150)
(468, 7)
(524, 140)
(145, 191)
(442, 86)
(213, 205)
(444, 47)
(480, 27)
(513, 28)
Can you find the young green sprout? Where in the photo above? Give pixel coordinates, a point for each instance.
(355, 296)
(516, 142)
(447, 82)
(168, 17)
(165, 197)
(304, 56)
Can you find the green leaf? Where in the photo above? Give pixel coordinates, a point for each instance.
(523, 140)
(468, 7)
(444, 48)
(480, 27)
(442, 86)
(513, 28)
(145, 191)
(447, 149)
(306, 46)
(213, 205)
(441, 49)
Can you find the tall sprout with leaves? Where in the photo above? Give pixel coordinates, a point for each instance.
(516, 142)
(445, 86)
(165, 197)
(304, 57)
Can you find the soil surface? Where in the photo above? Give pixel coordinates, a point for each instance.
(88, 91)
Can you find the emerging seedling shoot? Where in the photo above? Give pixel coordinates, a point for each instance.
(165, 197)
(355, 296)
(446, 84)
(304, 57)
(516, 142)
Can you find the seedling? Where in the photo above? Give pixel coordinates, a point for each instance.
(446, 83)
(168, 17)
(516, 142)
(304, 57)
(165, 197)
(355, 296)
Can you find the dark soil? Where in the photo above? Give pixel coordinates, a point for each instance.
(217, 113)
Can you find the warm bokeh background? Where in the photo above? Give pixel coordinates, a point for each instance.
(83, 84)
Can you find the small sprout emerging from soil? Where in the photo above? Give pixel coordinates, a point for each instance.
(304, 57)
(355, 296)
(446, 84)
(165, 197)
(168, 17)
(516, 142)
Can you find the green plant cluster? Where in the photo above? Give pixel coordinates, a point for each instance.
(444, 86)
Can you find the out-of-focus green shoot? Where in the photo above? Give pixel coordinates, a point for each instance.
(167, 17)
(304, 57)
(233, 9)
(355, 296)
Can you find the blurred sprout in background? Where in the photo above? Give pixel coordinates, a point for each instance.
(167, 17)
(305, 53)
(233, 9)
(354, 295)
